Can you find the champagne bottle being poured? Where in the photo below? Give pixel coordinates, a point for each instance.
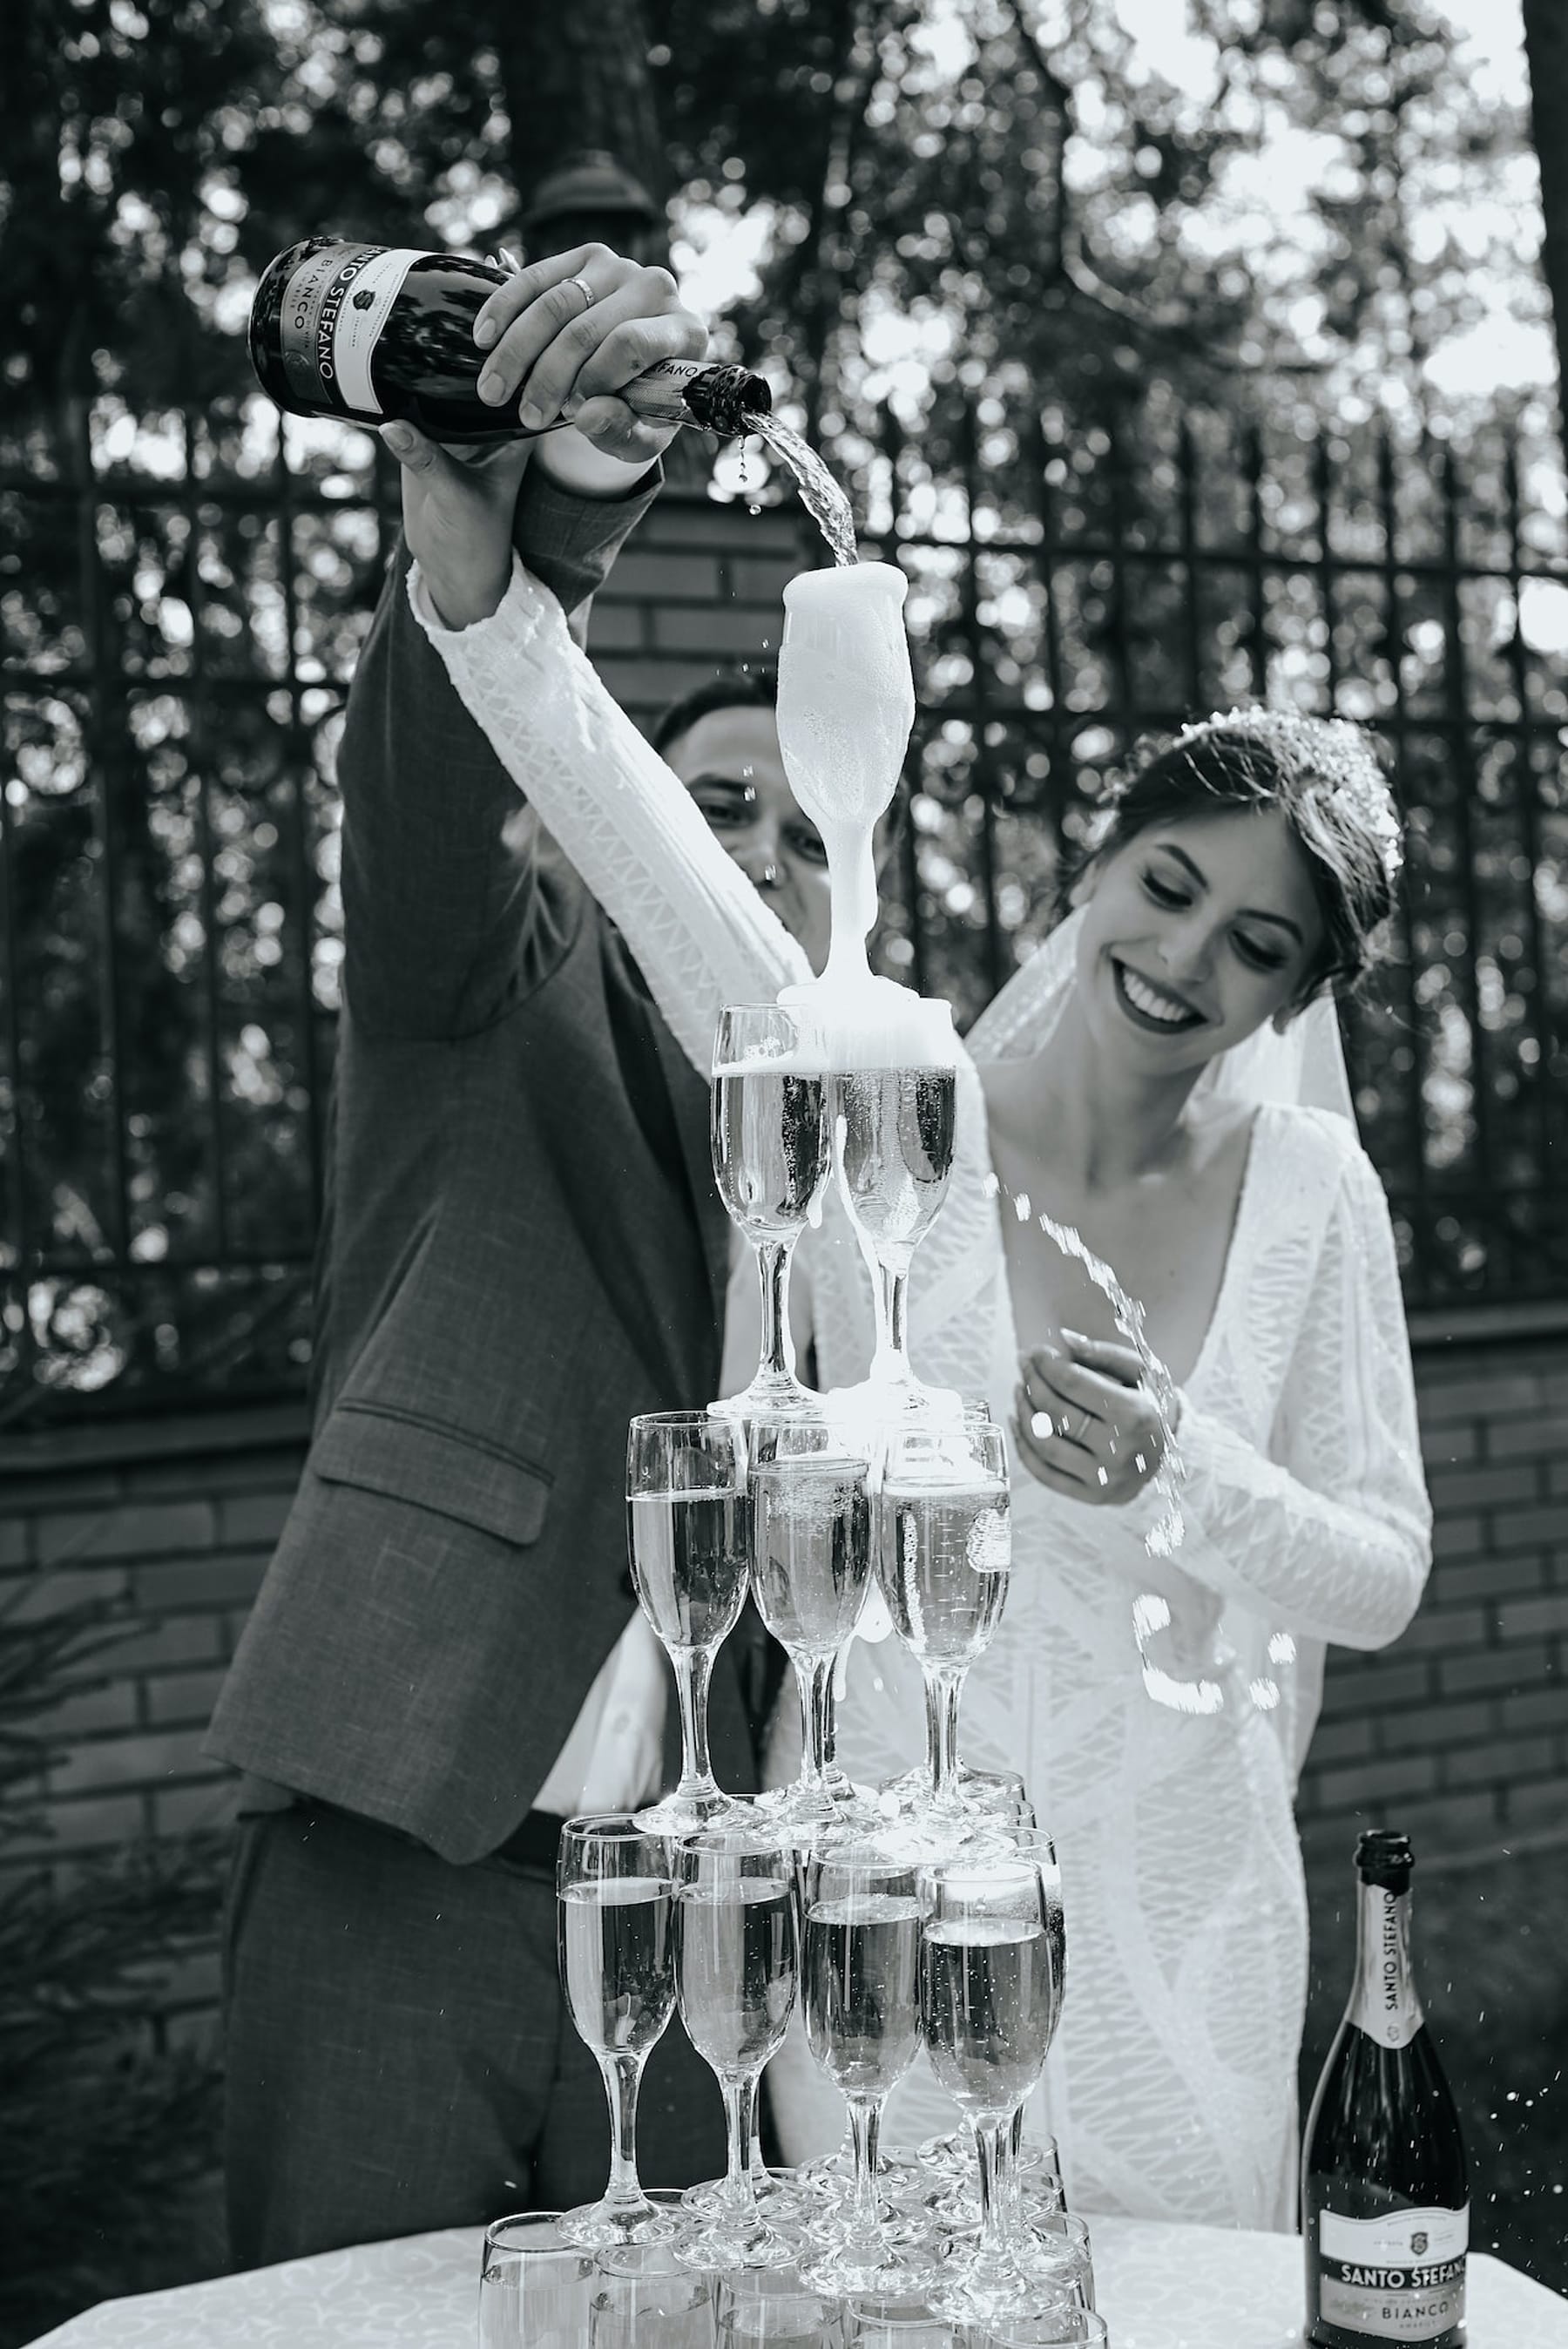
(369, 332)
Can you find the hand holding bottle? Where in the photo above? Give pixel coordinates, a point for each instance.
(571, 332)
(569, 356)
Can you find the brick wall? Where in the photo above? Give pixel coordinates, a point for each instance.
(176, 1518)
(700, 587)
(1459, 1730)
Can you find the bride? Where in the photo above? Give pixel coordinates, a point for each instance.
(1165, 1074)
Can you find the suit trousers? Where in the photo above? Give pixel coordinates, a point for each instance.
(399, 2054)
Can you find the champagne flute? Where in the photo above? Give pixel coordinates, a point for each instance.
(989, 2008)
(861, 1980)
(772, 1156)
(811, 1522)
(944, 1554)
(893, 1145)
(616, 1943)
(686, 1523)
(736, 1976)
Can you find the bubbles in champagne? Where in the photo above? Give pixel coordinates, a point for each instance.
(894, 1129)
(616, 1961)
(944, 1551)
(989, 2008)
(736, 1969)
(862, 1990)
(772, 1146)
(846, 697)
(812, 1550)
(690, 1557)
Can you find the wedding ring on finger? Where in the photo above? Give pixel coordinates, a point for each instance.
(1043, 1426)
(588, 297)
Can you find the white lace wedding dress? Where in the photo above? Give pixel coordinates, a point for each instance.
(1167, 1776)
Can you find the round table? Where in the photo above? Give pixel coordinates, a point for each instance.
(1160, 2287)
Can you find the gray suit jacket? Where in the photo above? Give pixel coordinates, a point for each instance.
(522, 1247)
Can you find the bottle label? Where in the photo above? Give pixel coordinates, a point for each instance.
(1384, 2003)
(335, 308)
(1397, 2278)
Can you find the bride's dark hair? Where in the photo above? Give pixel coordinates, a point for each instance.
(1323, 776)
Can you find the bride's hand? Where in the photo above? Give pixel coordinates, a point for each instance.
(1085, 1424)
(457, 518)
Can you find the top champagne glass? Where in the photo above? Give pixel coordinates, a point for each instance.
(771, 1160)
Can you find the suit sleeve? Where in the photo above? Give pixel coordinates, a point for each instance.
(445, 919)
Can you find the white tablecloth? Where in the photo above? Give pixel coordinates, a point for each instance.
(1160, 2287)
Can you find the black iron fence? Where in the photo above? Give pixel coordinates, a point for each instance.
(180, 610)
(1077, 591)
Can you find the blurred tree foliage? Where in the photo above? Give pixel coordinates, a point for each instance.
(1022, 239)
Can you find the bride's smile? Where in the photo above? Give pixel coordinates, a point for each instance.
(1195, 933)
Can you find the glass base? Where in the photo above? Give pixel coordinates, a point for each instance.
(826, 1807)
(682, 1814)
(860, 2267)
(891, 1392)
(771, 2187)
(969, 2289)
(772, 1395)
(599, 2226)
(977, 1808)
(737, 2240)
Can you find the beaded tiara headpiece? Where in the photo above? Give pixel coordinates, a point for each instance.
(1344, 773)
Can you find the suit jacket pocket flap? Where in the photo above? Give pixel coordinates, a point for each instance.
(434, 1467)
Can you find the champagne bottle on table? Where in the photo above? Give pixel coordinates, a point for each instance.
(369, 332)
(1385, 2208)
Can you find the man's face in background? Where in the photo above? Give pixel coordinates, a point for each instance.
(729, 761)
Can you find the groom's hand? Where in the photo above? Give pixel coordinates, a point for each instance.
(571, 332)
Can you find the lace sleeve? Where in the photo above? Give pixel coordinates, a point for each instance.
(701, 934)
(1332, 1535)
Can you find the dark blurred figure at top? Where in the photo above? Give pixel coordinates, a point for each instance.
(591, 199)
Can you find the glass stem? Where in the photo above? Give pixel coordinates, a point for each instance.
(693, 1670)
(893, 1313)
(740, 2122)
(814, 1681)
(773, 1256)
(994, 2236)
(1011, 2181)
(865, 2128)
(944, 1694)
(623, 2077)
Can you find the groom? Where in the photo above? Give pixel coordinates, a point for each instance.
(522, 1247)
